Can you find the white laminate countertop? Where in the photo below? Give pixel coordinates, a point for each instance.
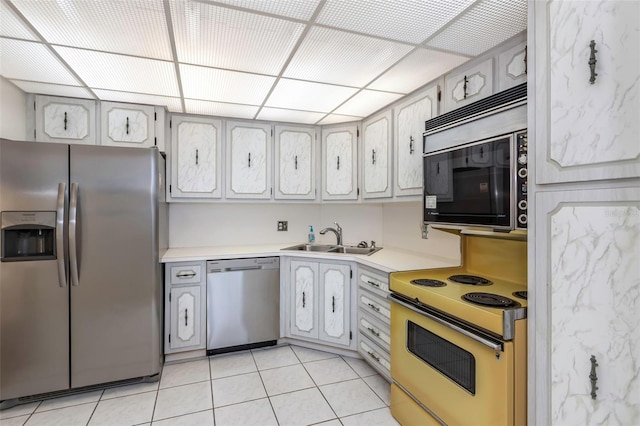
(389, 259)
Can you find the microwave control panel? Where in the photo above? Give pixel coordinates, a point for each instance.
(521, 181)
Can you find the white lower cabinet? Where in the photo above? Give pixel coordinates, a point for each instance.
(321, 302)
(374, 319)
(185, 307)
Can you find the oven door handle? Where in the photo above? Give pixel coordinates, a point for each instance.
(479, 339)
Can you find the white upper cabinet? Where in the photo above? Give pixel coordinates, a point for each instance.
(295, 169)
(340, 163)
(127, 125)
(376, 156)
(512, 66)
(248, 160)
(468, 85)
(409, 125)
(65, 120)
(587, 124)
(196, 157)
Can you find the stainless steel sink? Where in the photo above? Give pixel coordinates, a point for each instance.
(329, 248)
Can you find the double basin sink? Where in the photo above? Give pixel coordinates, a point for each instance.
(329, 248)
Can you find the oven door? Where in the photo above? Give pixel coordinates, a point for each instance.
(461, 377)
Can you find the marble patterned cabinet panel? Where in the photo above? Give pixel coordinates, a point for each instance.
(127, 125)
(339, 163)
(65, 120)
(376, 156)
(587, 131)
(409, 125)
(304, 291)
(295, 168)
(468, 85)
(248, 160)
(196, 149)
(512, 66)
(335, 303)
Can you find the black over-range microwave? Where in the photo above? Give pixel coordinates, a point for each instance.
(475, 165)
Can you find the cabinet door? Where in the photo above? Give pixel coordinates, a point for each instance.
(185, 317)
(248, 160)
(468, 85)
(335, 303)
(295, 162)
(409, 125)
(587, 130)
(65, 120)
(196, 152)
(512, 66)
(590, 246)
(376, 161)
(304, 292)
(339, 163)
(127, 125)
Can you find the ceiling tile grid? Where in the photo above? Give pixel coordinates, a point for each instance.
(226, 38)
(367, 102)
(309, 96)
(279, 114)
(297, 9)
(53, 89)
(337, 118)
(194, 106)
(13, 26)
(172, 104)
(133, 27)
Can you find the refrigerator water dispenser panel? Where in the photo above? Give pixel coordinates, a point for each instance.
(28, 236)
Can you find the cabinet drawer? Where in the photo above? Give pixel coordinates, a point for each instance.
(374, 355)
(185, 274)
(374, 330)
(373, 282)
(375, 306)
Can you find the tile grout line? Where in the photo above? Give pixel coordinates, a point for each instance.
(213, 407)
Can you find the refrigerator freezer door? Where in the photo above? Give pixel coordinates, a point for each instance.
(34, 308)
(116, 307)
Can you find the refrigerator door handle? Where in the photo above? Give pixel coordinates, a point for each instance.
(73, 244)
(62, 273)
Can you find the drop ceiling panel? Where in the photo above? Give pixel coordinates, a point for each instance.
(303, 95)
(298, 9)
(12, 26)
(118, 72)
(172, 104)
(194, 106)
(337, 57)
(405, 20)
(484, 26)
(278, 114)
(212, 84)
(416, 70)
(336, 118)
(227, 38)
(26, 60)
(367, 102)
(53, 89)
(134, 27)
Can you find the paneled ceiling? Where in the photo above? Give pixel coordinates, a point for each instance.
(300, 61)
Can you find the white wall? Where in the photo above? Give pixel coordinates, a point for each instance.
(12, 111)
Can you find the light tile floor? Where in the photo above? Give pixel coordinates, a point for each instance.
(282, 385)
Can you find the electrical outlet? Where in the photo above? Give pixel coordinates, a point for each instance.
(283, 225)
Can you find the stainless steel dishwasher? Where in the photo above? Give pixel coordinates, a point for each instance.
(243, 304)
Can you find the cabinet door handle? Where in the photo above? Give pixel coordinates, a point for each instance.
(437, 168)
(338, 163)
(295, 162)
(65, 120)
(249, 160)
(186, 317)
(464, 86)
(373, 156)
(374, 307)
(372, 355)
(373, 331)
(127, 126)
(196, 157)
(481, 152)
(333, 304)
(592, 62)
(303, 299)
(593, 377)
(411, 145)
(525, 59)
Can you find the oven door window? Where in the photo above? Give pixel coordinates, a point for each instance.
(449, 359)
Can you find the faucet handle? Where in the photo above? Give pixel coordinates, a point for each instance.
(373, 244)
(338, 226)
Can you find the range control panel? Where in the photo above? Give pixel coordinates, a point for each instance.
(521, 180)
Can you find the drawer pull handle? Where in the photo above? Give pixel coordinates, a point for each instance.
(186, 317)
(374, 284)
(373, 331)
(374, 307)
(372, 355)
(127, 126)
(190, 274)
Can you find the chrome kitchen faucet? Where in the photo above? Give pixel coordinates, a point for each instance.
(337, 230)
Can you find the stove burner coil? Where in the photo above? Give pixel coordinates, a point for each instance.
(489, 299)
(470, 280)
(521, 294)
(427, 282)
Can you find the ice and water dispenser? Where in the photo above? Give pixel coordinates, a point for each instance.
(28, 236)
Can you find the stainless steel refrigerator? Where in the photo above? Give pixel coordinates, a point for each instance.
(80, 278)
